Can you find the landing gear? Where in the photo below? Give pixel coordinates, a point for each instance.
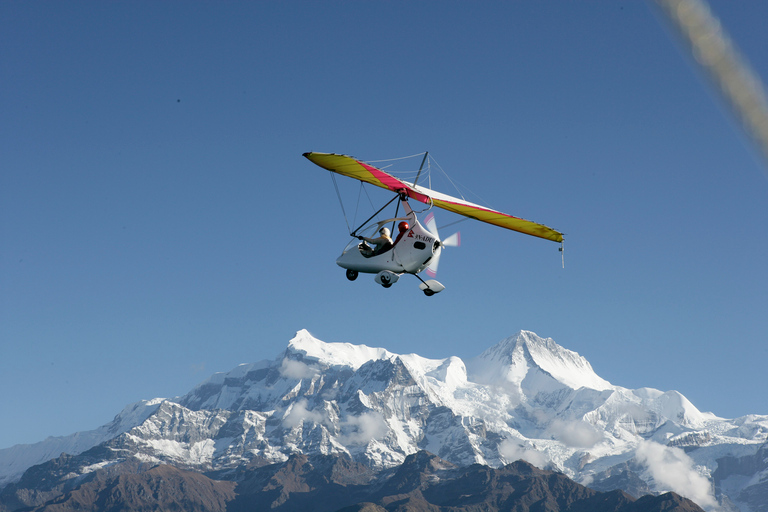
(351, 274)
(430, 287)
(386, 278)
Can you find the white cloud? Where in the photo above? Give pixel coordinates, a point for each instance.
(298, 413)
(512, 450)
(296, 369)
(364, 428)
(670, 467)
(576, 434)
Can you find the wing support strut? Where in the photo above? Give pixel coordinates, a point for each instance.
(354, 233)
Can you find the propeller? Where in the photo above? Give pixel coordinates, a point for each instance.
(452, 241)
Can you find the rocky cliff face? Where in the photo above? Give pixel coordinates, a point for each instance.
(335, 483)
(744, 480)
(524, 398)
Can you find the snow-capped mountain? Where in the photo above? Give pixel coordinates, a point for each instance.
(524, 398)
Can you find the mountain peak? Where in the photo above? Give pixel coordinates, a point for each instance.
(526, 354)
(304, 346)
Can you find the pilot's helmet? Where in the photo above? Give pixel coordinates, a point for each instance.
(403, 226)
(384, 231)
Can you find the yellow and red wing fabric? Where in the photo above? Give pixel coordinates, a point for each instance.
(353, 168)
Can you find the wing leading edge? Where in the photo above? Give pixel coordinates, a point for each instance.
(348, 166)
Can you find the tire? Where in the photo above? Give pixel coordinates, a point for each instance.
(351, 274)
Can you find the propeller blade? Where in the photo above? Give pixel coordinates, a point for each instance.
(453, 241)
(432, 268)
(431, 224)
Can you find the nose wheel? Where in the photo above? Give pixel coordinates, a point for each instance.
(351, 274)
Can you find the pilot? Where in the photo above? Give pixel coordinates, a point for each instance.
(383, 243)
(402, 228)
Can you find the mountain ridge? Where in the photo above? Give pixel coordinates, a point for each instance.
(524, 398)
(335, 483)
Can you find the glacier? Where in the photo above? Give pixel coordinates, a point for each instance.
(524, 398)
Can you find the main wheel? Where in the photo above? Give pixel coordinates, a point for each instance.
(428, 292)
(351, 274)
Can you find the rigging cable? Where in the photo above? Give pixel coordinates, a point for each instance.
(464, 219)
(336, 186)
(357, 206)
(360, 191)
(393, 159)
(448, 178)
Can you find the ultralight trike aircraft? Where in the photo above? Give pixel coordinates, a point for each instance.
(417, 247)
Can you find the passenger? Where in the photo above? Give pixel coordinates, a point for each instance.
(383, 243)
(402, 228)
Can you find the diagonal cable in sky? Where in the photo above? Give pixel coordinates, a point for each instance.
(714, 51)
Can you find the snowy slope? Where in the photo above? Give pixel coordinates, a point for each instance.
(526, 397)
(16, 459)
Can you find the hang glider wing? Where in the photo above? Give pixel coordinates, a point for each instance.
(483, 214)
(348, 166)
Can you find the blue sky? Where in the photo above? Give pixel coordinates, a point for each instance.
(158, 223)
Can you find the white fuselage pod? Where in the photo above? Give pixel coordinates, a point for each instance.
(411, 254)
